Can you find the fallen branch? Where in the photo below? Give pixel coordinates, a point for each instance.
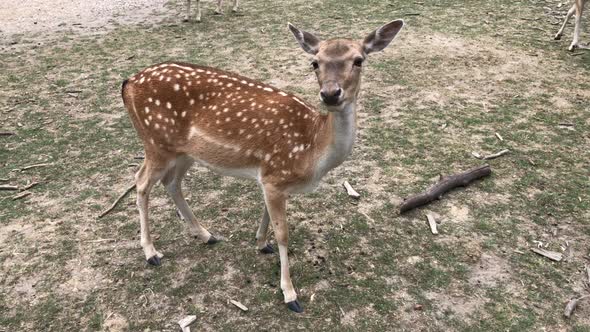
(445, 184)
(571, 306)
(432, 223)
(552, 255)
(350, 191)
(127, 191)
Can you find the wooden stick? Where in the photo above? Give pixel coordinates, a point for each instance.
(34, 166)
(8, 187)
(29, 186)
(445, 184)
(127, 191)
(186, 322)
(21, 195)
(239, 305)
(431, 223)
(499, 137)
(496, 155)
(552, 255)
(6, 133)
(350, 191)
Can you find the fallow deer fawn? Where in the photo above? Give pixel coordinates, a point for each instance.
(578, 8)
(240, 127)
(218, 10)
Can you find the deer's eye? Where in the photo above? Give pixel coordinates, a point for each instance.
(315, 65)
(358, 62)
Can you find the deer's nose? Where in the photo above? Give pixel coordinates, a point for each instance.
(331, 94)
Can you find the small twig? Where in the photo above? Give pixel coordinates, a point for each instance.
(139, 157)
(499, 137)
(552, 255)
(368, 218)
(100, 240)
(34, 166)
(431, 223)
(21, 195)
(29, 186)
(6, 133)
(239, 305)
(496, 155)
(576, 54)
(350, 191)
(8, 187)
(571, 306)
(186, 321)
(127, 191)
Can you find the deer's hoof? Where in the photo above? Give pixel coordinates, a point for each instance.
(572, 48)
(154, 260)
(557, 37)
(212, 240)
(268, 249)
(295, 306)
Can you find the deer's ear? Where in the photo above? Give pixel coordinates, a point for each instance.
(380, 38)
(308, 42)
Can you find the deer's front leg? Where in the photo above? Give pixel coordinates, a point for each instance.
(276, 203)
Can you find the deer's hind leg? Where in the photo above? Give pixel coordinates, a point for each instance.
(173, 183)
(262, 234)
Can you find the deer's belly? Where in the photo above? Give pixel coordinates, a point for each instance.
(228, 170)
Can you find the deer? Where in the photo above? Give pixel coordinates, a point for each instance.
(218, 10)
(578, 8)
(236, 126)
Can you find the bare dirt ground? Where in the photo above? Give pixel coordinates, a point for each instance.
(459, 73)
(84, 17)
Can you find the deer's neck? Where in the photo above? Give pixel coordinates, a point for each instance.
(338, 134)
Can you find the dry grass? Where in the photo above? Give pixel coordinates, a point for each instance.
(476, 68)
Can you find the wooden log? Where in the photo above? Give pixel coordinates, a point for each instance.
(445, 184)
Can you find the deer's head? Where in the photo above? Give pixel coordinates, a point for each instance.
(338, 63)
